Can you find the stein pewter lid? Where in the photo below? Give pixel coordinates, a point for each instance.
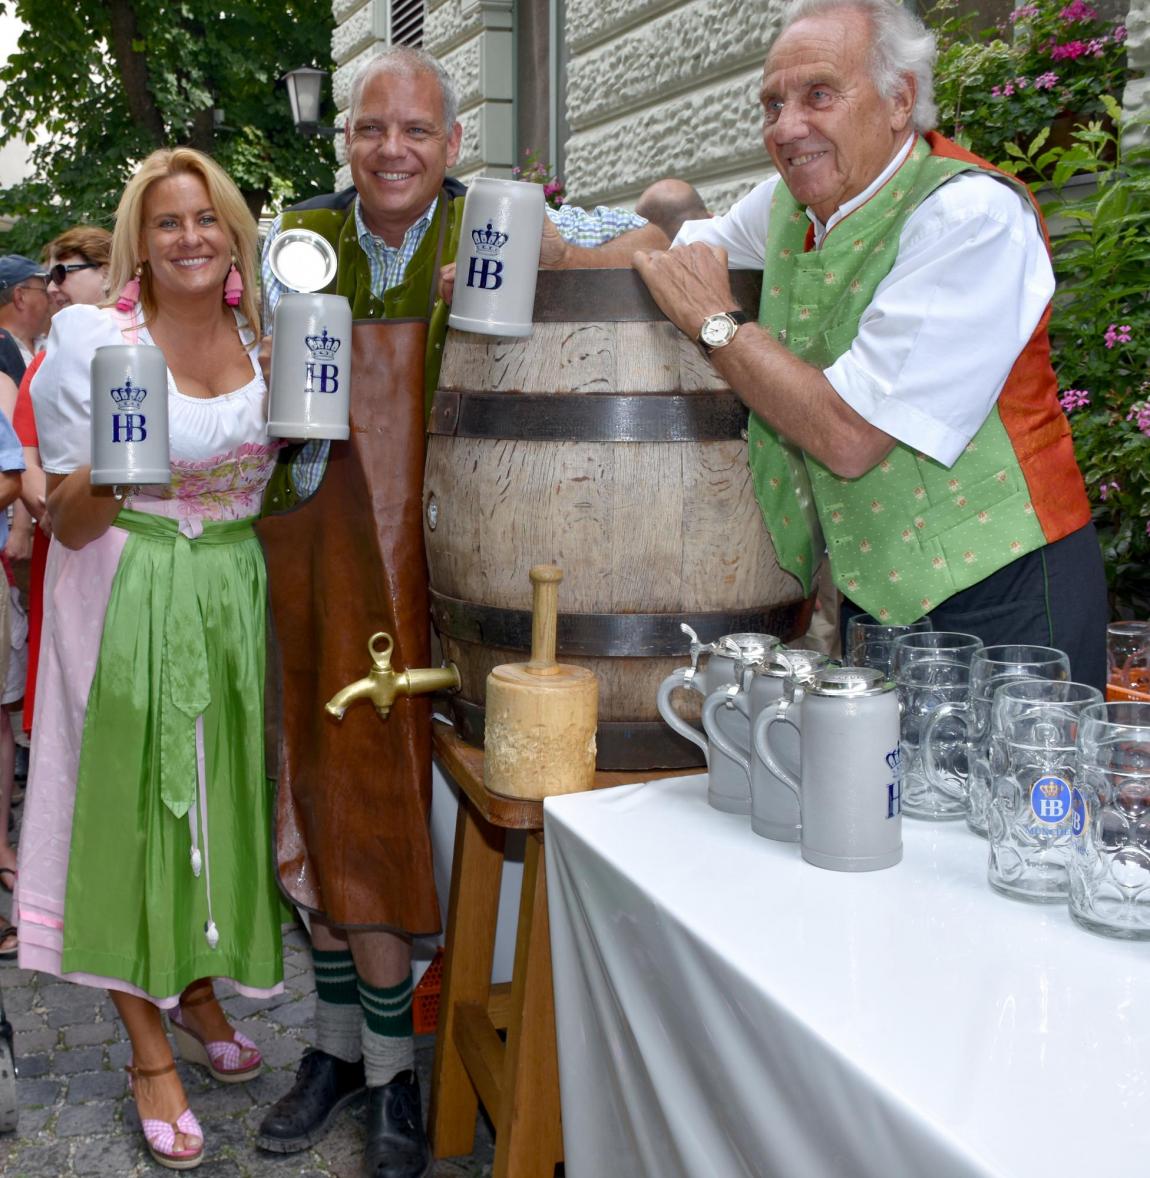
(302, 260)
(752, 648)
(784, 663)
(849, 681)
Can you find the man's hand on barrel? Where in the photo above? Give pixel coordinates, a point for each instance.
(688, 282)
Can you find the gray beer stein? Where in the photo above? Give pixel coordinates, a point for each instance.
(311, 343)
(774, 809)
(849, 785)
(130, 442)
(497, 263)
(726, 663)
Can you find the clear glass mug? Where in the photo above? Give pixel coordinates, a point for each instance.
(994, 666)
(931, 672)
(870, 643)
(1110, 860)
(1128, 655)
(1033, 767)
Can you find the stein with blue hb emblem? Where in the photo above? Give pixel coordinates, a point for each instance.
(130, 444)
(311, 342)
(498, 257)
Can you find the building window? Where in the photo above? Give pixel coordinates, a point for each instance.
(405, 22)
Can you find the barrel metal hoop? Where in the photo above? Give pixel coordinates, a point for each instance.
(595, 635)
(589, 417)
(625, 745)
(618, 296)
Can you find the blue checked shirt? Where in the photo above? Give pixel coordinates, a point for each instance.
(388, 264)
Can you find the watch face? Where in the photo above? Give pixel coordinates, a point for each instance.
(716, 330)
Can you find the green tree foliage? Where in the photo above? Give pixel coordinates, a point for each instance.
(105, 82)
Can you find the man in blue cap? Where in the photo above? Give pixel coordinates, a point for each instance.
(24, 312)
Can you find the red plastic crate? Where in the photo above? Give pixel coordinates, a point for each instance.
(425, 999)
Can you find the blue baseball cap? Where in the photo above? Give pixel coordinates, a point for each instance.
(15, 268)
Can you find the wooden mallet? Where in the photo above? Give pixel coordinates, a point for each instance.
(541, 715)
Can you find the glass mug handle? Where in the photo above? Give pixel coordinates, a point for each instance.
(782, 711)
(934, 776)
(732, 696)
(679, 678)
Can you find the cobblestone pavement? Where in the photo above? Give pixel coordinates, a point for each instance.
(76, 1116)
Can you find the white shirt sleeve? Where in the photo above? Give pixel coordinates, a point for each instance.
(62, 387)
(970, 283)
(742, 232)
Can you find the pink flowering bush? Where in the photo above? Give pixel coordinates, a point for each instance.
(1049, 64)
(536, 171)
(1100, 336)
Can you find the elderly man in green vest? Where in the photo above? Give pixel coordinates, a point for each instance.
(904, 412)
(392, 232)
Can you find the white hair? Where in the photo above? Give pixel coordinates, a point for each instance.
(406, 61)
(900, 44)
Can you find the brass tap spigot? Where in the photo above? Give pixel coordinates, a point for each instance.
(383, 683)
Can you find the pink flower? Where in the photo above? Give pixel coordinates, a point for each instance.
(1070, 50)
(1077, 11)
(1119, 34)
(996, 92)
(1027, 10)
(1104, 489)
(1008, 90)
(1046, 81)
(1097, 46)
(1022, 83)
(1140, 415)
(1071, 399)
(1117, 334)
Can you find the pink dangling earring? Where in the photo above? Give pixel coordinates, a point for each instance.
(233, 287)
(130, 295)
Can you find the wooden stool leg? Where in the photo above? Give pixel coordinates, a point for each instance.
(473, 911)
(528, 1129)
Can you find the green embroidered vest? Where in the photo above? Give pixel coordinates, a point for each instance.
(910, 532)
(416, 297)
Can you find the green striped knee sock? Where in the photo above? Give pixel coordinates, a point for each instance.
(388, 1047)
(338, 1014)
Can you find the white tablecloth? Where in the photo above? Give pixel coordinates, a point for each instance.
(724, 1008)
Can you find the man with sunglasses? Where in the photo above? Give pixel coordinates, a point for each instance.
(25, 310)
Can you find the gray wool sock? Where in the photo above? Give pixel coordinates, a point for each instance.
(339, 1030)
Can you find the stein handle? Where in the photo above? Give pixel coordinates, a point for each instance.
(726, 697)
(930, 769)
(679, 678)
(778, 712)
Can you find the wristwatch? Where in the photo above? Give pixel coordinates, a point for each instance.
(718, 330)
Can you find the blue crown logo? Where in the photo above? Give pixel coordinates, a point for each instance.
(324, 347)
(489, 241)
(128, 395)
(894, 760)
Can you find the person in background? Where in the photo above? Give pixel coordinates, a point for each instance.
(25, 309)
(77, 267)
(670, 203)
(144, 852)
(903, 404)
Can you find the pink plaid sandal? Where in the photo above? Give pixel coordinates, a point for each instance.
(160, 1136)
(231, 1061)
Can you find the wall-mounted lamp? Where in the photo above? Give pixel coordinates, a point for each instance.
(304, 87)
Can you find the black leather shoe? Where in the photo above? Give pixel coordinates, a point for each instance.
(397, 1145)
(323, 1087)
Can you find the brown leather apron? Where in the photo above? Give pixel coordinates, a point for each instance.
(354, 796)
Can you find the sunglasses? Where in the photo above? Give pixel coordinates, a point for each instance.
(60, 271)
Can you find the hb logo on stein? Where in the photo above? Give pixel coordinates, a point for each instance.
(486, 272)
(322, 377)
(894, 788)
(129, 426)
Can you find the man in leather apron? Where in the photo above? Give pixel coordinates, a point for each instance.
(344, 543)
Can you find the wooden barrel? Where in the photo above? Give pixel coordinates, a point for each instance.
(604, 443)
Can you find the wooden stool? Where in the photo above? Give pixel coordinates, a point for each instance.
(518, 1079)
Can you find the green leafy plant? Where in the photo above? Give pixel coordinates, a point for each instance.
(1050, 66)
(1100, 333)
(538, 171)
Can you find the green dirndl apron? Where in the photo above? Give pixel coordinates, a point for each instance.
(170, 853)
